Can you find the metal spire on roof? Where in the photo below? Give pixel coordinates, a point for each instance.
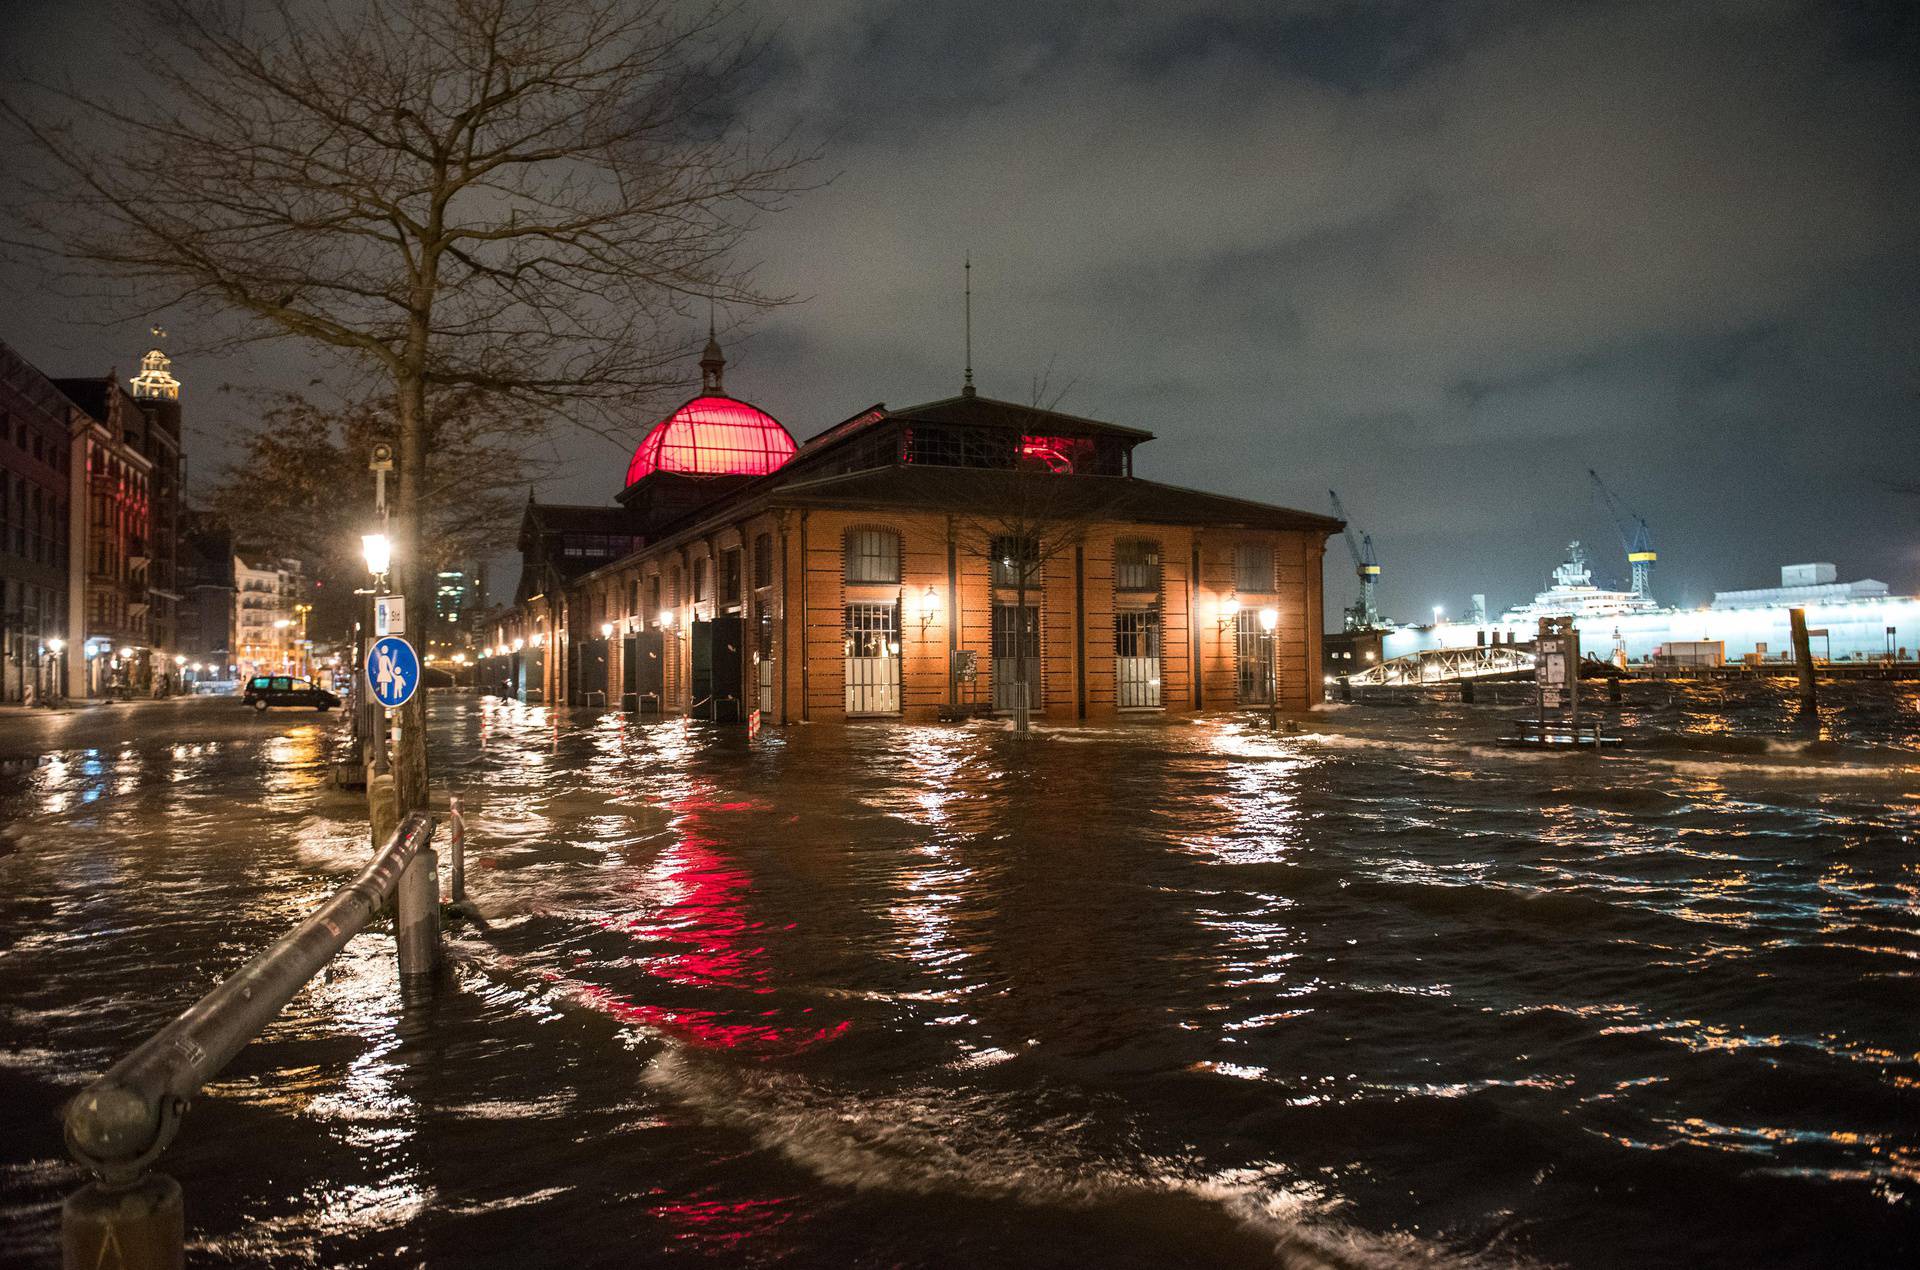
(966, 389)
(712, 361)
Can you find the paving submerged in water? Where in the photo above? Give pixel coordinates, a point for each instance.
(1138, 995)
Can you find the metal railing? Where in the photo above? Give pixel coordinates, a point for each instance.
(121, 1123)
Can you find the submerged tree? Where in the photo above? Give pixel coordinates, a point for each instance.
(510, 196)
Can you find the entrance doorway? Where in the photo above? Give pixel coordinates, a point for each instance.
(1136, 662)
(1014, 626)
(644, 676)
(1254, 660)
(873, 659)
(717, 670)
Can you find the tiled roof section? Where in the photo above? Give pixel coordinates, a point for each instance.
(1042, 493)
(986, 412)
(867, 418)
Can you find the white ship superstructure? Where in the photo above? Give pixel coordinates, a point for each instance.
(1850, 621)
(1574, 595)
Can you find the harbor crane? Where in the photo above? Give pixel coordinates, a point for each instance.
(1364, 615)
(1635, 537)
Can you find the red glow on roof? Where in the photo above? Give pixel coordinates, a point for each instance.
(713, 436)
(1059, 455)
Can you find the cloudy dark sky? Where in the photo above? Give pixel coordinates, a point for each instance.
(1441, 256)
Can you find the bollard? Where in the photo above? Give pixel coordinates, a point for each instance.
(416, 921)
(1803, 658)
(383, 806)
(1346, 689)
(138, 1225)
(1466, 691)
(457, 850)
(1613, 688)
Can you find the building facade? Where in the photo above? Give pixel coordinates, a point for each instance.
(36, 422)
(268, 638)
(111, 505)
(959, 556)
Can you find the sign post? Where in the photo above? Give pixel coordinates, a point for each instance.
(389, 615)
(393, 671)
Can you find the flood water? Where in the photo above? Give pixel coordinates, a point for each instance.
(1153, 994)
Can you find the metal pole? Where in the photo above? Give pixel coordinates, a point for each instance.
(457, 848)
(120, 1124)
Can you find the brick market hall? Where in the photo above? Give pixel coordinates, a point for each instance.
(964, 556)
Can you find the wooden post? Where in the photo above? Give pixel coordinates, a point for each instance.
(1803, 658)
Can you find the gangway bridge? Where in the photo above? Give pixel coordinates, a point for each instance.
(1449, 665)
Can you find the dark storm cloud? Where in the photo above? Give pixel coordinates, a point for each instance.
(1445, 256)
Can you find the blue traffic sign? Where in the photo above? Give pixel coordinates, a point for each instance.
(393, 670)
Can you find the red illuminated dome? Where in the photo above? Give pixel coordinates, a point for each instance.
(713, 435)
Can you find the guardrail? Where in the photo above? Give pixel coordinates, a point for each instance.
(121, 1123)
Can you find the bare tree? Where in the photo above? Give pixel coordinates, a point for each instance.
(514, 196)
(301, 474)
(1020, 521)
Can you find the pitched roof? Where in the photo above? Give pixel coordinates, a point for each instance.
(1043, 493)
(573, 518)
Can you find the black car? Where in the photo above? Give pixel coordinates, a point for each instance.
(282, 690)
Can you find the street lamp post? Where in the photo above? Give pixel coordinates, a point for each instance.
(58, 647)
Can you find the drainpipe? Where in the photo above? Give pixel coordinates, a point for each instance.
(1193, 627)
(1080, 626)
(785, 652)
(806, 676)
(953, 610)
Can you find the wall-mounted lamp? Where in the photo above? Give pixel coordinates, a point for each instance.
(56, 645)
(538, 639)
(666, 619)
(1227, 609)
(606, 630)
(1269, 619)
(929, 609)
(519, 644)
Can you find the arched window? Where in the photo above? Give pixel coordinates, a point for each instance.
(872, 555)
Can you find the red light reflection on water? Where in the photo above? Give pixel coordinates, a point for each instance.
(717, 946)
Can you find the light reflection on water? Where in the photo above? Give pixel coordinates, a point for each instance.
(1132, 994)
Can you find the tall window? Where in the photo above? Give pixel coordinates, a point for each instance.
(873, 555)
(655, 614)
(730, 576)
(1013, 559)
(1136, 565)
(1253, 567)
(700, 580)
(762, 561)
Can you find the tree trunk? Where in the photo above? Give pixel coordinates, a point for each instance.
(410, 747)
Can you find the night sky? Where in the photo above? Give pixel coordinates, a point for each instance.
(1441, 256)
